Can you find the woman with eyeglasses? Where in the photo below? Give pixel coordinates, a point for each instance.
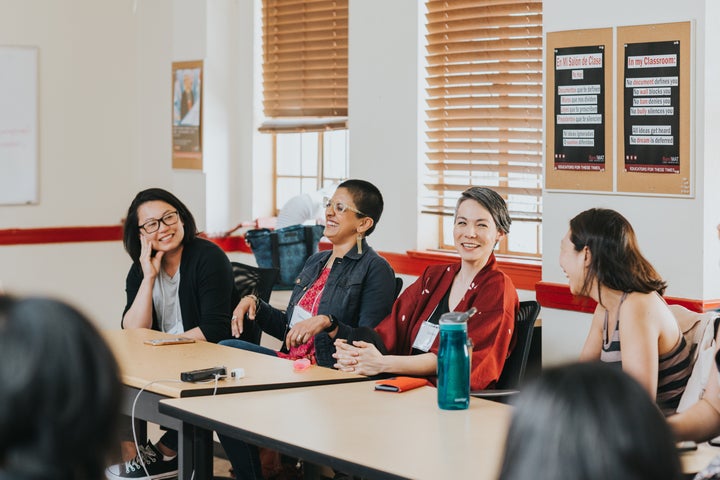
(178, 283)
(351, 284)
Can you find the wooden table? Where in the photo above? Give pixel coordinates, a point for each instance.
(141, 364)
(359, 431)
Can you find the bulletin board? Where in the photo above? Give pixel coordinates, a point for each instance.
(18, 125)
(579, 101)
(653, 109)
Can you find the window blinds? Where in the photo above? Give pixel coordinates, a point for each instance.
(484, 89)
(305, 64)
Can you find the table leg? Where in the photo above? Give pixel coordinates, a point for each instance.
(194, 452)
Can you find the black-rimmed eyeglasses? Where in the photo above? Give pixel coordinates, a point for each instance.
(340, 207)
(152, 226)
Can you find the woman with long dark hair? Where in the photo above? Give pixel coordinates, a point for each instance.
(632, 326)
(178, 283)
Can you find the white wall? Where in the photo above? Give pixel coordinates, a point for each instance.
(383, 112)
(677, 235)
(90, 140)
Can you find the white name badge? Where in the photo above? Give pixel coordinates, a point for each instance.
(299, 314)
(426, 336)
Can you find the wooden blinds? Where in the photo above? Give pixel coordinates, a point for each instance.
(484, 91)
(305, 60)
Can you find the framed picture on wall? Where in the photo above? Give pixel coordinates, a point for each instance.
(187, 79)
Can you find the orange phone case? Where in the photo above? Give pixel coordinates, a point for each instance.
(400, 384)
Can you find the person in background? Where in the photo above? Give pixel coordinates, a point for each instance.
(306, 208)
(60, 392)
(187, 99)
(350, 283)
(588, 421)
(701, 421)
(178, 283)
(406, 342)
(632, 326)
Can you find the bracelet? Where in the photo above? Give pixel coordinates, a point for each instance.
(333, 324)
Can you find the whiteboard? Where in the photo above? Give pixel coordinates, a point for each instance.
(18, 125)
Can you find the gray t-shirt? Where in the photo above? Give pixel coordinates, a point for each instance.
(167, 302)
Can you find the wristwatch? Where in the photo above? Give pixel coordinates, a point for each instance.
(333, 324)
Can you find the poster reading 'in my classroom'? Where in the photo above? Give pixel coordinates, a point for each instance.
(652, 107)
(580, 108)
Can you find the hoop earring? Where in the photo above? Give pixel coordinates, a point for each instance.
(359, 242)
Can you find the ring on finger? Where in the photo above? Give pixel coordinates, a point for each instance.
(234, 317)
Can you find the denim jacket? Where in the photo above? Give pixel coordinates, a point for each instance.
(359, 291)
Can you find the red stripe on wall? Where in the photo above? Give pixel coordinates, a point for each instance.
(557, 295)
(233, 243)
(30, 236)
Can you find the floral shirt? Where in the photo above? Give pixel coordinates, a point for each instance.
(309, 302)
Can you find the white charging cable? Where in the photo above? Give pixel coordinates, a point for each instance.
(132, 419)
(236, 373)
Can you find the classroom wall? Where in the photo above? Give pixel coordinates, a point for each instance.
(91, 134)
(384, 106)
(677, 235)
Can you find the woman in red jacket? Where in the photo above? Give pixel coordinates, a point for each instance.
(406, 342)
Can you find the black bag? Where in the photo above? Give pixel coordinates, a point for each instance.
(285, 248)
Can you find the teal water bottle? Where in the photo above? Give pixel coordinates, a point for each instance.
(453, 363)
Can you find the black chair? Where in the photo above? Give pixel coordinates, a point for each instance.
(257, 281)
(398, 286)
(513, 372)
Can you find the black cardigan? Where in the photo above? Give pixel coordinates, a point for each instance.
(207, 290)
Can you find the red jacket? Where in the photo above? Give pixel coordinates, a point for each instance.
(491, 328)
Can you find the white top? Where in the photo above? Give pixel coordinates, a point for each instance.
(305, 208)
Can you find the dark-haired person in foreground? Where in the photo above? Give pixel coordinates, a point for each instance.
(59, 393)
(588, 421)
(178, 283)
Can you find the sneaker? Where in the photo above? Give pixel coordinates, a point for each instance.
(157, 468)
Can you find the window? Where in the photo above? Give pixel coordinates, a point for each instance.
(484, 128)
(306, 162)
(305, 78)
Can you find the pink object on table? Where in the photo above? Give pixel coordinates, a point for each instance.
(301, 364)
